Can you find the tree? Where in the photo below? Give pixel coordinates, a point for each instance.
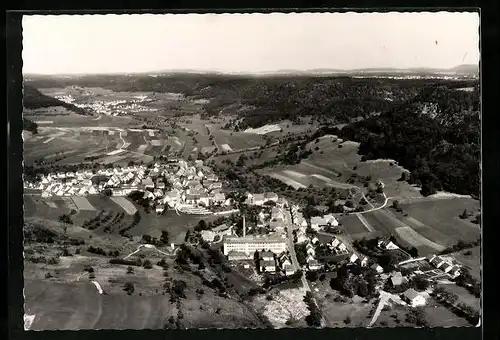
(164, 238)
(464, 214)
(420, 283)
(129, 288)
(130, 270)
(312, 276)
(147, 264)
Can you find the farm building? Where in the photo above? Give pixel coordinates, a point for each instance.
(414, 298)
(387, 245)
(397, 279)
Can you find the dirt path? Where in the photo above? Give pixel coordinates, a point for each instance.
(365, 223)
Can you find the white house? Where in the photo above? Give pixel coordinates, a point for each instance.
(353, 258)
(289, 270)
(331, 220)
(454, 271)
(315, 240)
(363, 262)
(387, 245)
(341, 248)
(160, 208)
(377, 268)
(310, 249)
(301, 237)
(317, 222)
(414, 298)
(313, 265)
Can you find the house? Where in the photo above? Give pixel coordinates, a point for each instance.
(158, 193)
(86, 182)
(313, 265)
(353, 258)
(377, 268)
(437, 261)
(160, 208)
(271, 196)
(148, 183)
(211, 177)
(414, 298)
(446, 267)
(309, 258)
(301, 237)
(218, 198)
(289, 270)
(266, 255)
(331, 220)
(387, 245)
(454, 271)
(363, 262)
(397, 279)
(341, 248)
(276, 225)
(268, 266)
(277, 213)
(335, 242)
(315, 240)
(310, 249)
(257, 199)
(160, 185)
(148, 194)
(317, 222)
(282, 202)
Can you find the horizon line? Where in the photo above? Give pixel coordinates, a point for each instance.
(311, 71)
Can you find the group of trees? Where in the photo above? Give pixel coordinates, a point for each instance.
(461, 245)
(30, 126)
(34, 99)
(314, 318)
(350, 283)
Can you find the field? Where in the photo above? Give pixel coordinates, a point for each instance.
(352, 225)
(176, 225)
(82, 203)
(440, 216)
(471, 261)
(125, 204)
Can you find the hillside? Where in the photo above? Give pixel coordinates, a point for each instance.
(34, 99)
(270, 99)
(441, 146)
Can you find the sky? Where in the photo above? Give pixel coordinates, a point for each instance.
(250, 43)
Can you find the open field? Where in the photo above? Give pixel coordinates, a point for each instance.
(82, 203)
(176, 225)
(463, 295)
(416, 240)
(125, 204)
(302, 175)
(442, 217)
(352, 225)
(472, 261)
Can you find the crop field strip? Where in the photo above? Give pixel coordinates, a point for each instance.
(82, 203)
(126, 205)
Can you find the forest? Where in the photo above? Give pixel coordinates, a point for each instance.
(441, 149)
(34, 99)
(30, 126)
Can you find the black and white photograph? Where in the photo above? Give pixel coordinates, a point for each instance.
(257, 170)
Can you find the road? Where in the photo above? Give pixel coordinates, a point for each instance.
(291, 248)
(375, 208)
(384, 299)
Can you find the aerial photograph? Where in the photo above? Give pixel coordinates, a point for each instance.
(301, 170)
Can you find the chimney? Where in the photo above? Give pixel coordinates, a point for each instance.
(244, 227)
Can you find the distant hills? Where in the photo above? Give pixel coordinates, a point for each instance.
(467, 70)
(34, 99)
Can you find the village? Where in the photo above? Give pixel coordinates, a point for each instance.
(280, 244)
